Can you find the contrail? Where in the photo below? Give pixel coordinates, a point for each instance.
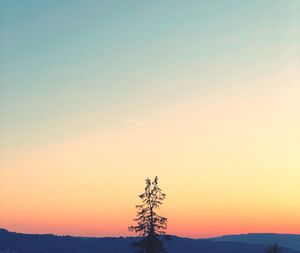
(132, 122)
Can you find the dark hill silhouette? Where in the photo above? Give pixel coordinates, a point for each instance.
(48, 243)
(286, 240)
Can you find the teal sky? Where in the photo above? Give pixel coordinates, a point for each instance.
(71, 66)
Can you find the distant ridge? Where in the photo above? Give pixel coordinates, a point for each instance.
(48, 243)
(286, 240)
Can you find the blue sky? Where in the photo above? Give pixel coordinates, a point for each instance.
(72, 66)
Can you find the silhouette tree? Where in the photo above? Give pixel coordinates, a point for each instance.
(150, 226)
(274, 248)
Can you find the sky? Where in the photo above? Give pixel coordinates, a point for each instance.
(96, 96)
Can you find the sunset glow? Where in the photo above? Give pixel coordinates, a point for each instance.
(97, 97)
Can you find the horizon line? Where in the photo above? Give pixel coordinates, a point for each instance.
(120, 236)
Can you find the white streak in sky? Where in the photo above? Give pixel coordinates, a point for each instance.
(136, 123)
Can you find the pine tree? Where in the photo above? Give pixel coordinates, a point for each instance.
(150, 226)
(273, 248)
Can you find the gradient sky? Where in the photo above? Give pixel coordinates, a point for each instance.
(98, 95)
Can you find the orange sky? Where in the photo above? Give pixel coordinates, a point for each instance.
(228, 165)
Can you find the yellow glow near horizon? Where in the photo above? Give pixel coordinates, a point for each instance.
(228, 164)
